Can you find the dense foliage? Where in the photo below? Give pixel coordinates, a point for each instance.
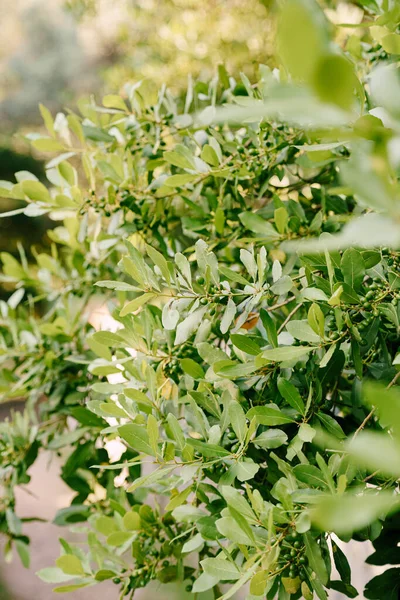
(244, 246)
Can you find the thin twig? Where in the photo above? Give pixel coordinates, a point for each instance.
(290, 315)
(276, 306)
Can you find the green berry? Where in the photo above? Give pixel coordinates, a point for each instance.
(231, 435)
(200, 280)
(116, 580)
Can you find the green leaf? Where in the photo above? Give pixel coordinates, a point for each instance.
(238, 420)
(114, 101)
(258, 225)
(245, 343)
(232, 275)
(235, 370)
(386, 585)
(188, 326)
(178, 499)
(23, 552)
(334, 80)
(286, 353)
(316, 320)
(344, 588)
(53, 575)
(131, 520)
(106, 525)
(353, 268)
(223, 570)
(176, 430)
(138, 396)
(70, 564)
(387, 402)
(108, 339)
(192, 368)
(209, 450)
(291, 395)
(331, 425)
(159, 260)
(118, 538)
(314, 555)
(391, 43)
(231, 530)
(272, 438)
(259, 583)
(112, 410)
(180, 157)
(302, 331)
(341, 563)
(267, 415)
(350, 512)
(377, 452)
(302, 37)
(235, 499)
(104, 574)
(134, 305)
(71, 588)
(153, 433)
(45, 144)
(246, 469)
(137, 438)
(270, 327)
(176, 181)
(209, 155)
(310, 475)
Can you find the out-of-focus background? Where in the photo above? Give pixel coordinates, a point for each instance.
(52, 52)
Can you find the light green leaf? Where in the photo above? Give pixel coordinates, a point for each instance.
(192, 368)
(284, 353)
(176, 181)
(258, 225)
(344, 514)
(238, 420)
(268, 415)
(291, 395)
(302, 331)
(316, 320)
(272, 438)
(314, 555)
(134, 305)
(246, 344)
(137, 438)
(221, 569)
(131, 520)
(353, 268)
(70, 564)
